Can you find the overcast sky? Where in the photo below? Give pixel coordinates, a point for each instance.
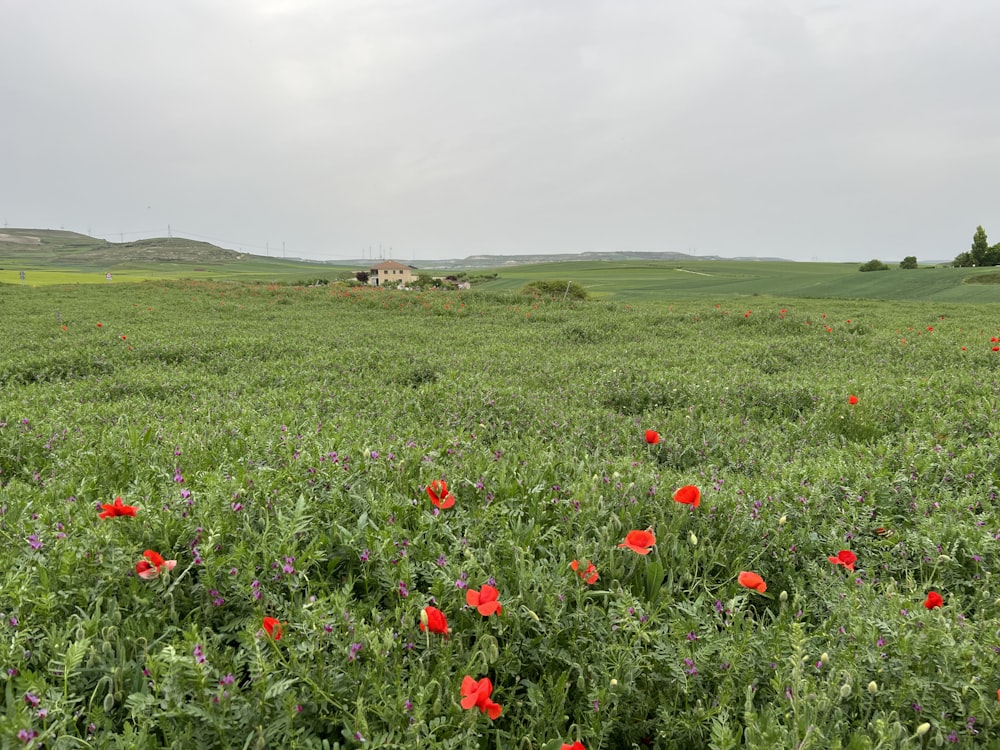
(836, 130)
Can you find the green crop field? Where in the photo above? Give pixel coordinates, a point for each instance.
(707, 521)
(666, 280)
(57, 257)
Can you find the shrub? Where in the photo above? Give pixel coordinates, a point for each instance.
(555, 289)
(874, 265)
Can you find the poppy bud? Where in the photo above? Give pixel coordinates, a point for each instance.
(923, 729)
(693, 539)
(944, 558)
(783, 597)
(423, 619)
(614, 682)
(825, 658)
(109, 702)
(845, 691)
(873, 687)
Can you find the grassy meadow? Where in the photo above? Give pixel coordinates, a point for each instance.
(656, 281)
(331, 468)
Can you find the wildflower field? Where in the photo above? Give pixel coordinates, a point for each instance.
(260, 516)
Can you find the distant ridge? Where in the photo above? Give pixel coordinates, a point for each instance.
(616, 256)
(63, 248)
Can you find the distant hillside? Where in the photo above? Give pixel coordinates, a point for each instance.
(71, 249)
(618, 256)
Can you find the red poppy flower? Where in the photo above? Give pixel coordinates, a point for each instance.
(118, 509)
(640, 542)
(433, 619)
(589, 574)
(153, 565)
(852, 400)
(688, 495)
(273, 628)
(752, 581)
(476, 693)
(99, 325)
(439, 495)
(933, 600)
(846, 558)
(577, 745)
(652, 437)
(485, 600)
(993, 340)
(995, 349)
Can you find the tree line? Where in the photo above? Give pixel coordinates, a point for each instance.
(980, 254)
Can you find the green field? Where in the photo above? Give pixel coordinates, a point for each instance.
(278, 442)
(665, 281)
(68, 257)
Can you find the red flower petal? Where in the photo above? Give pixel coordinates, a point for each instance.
(852, 400)
(436, 621)
(933, 600)
(752, 581)
(639, 542)
(652, 437)
(439, 495)
(154, 558)
(273, 627)
(688, 495)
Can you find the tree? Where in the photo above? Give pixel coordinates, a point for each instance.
(980, 251)
(362, 276)
(962, 260)
(910, 261)
(993, 255)
(423, 281)
(874, 265)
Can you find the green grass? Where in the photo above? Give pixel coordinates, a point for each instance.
(278, 441)
(67, 257)
(666, 281)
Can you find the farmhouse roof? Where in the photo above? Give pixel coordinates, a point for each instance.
(390, 264)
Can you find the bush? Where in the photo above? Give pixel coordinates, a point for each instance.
(874, 265)
(555, 289)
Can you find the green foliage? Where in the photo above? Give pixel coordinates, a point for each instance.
(281, 458)
(423, 281)
(555, 289)
(980, 250)
(874, 265)
(909, 262)
(963, 260)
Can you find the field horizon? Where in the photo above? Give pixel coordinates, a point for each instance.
(61, 257)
